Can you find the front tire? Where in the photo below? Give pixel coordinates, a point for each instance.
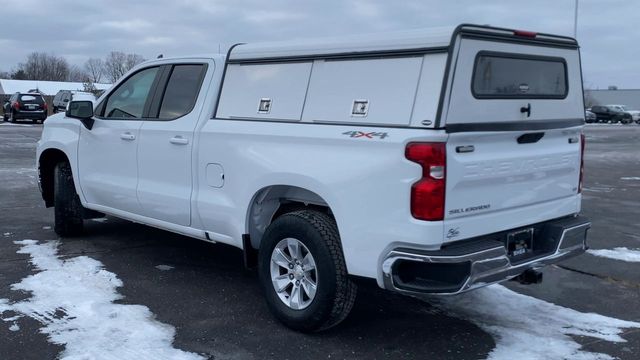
(67, 206)
(303, 273)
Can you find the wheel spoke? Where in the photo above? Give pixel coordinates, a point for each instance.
(309, 287)
(295, 300)
(294, 249)
(281, 282)
(280, 258)
(308, 263)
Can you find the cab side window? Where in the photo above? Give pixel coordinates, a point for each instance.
(129, 99)
(182, 91)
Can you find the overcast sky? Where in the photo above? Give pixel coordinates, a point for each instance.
(608, 31)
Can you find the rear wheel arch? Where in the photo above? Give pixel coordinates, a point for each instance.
(46, 165)
(271, 202)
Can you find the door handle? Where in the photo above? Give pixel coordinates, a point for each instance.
(179, 140)
(127, 136)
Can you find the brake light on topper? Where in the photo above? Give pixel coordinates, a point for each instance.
(427, 195)
(524, 33)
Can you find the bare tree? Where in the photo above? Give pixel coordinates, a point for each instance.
(114, 65)
(77, 74)
(95, 69)
(118, 63)
(42, 66)
(18, 74)
(133, 60)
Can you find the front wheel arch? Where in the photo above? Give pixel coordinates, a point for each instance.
(46, 169)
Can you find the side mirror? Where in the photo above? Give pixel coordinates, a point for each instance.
(83, 111)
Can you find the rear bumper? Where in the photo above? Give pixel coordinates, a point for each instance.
(32, 115)
(482, 261)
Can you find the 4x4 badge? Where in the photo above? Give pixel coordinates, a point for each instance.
(366, 135)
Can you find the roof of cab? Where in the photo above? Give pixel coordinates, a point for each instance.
(420, 40)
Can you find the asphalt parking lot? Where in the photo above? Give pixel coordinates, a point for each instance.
(168, 296)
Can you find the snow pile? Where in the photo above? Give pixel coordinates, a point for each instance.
(528, 328)
(73, 299)
(630, 178)
(164, 267)
(619, 253)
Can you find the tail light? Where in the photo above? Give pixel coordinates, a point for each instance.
(427, 195)
(44, 105)
(16, 105)
(582, 144)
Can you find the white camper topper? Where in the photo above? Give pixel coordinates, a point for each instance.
(431, 161)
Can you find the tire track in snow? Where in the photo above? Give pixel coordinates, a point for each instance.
(73, 299)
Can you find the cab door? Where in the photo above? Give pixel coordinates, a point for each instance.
(165, 147)
(107, 154)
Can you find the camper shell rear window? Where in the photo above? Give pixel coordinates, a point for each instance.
(518, 76)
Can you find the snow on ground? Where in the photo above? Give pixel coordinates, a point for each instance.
(630, 178)
(164, 267)
(619, 253)
(528, 328)
(74, 298)
(12, 124)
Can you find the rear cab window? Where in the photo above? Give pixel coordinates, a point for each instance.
(182, 90)
(511, 76)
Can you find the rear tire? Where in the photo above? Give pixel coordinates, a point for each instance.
(67, 207)
(12, 117)
(334, 292)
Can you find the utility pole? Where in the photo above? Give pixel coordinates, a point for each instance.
(575, 21)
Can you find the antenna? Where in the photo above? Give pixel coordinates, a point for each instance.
(575, 21)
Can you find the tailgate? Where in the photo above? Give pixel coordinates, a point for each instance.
(489, 172)
(514, 113)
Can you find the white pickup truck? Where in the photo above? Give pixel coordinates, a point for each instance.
(434, 162)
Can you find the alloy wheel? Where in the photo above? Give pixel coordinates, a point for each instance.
(293, 273)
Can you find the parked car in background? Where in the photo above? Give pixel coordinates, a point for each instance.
(27, 106)
(63, 97)
(611, 113)
(635, 114)
(590, 117)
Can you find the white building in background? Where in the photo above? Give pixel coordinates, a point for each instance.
(8, 87)
(629, 97)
